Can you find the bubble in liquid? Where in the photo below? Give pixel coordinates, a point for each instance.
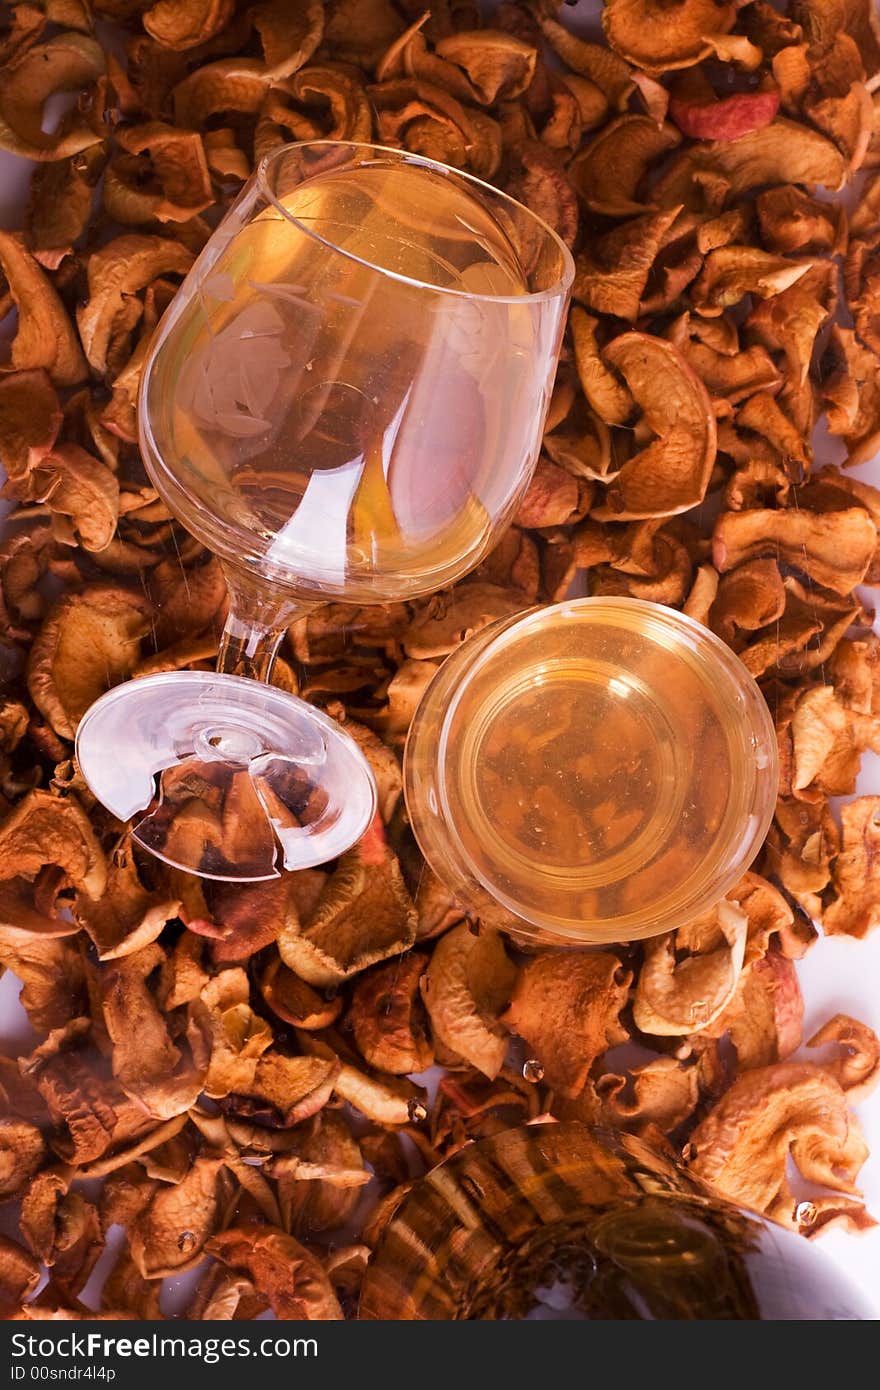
(533, 1070)
(805, 1213)
(186, 1241)
(417, 1111)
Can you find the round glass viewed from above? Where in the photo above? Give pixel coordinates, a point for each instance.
(601, 770)
(344, 401)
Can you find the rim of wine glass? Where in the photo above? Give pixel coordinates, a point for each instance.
(561, 287)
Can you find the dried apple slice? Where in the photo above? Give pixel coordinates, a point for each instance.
(672, 472)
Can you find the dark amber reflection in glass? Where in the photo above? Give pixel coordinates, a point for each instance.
(560, 1221)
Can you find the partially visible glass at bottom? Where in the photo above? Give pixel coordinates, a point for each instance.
(564, 1222)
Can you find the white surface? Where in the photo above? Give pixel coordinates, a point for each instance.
(838, 975)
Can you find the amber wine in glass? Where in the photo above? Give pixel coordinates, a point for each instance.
(344, 402)
(600, 770)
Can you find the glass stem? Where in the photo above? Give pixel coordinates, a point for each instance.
(255, 626)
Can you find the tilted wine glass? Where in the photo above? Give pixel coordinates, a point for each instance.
(344, 402)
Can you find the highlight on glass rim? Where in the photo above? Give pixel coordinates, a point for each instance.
(439, 811)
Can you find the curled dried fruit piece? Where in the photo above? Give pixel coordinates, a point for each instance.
(321, 101)
(295, 1001)
(68, 62)
(833, 548)
(236, 1036)
(30, 417)
(116, 274)
(319, 1181)
(181, 24)
(658, 37)
(663, 1093)
(499, 66)
(128, 916)
(791, 1109)
(466, 986)
(279, 1267)
(163, 174)
(567, 1008)
(146, 1061)
(857, 1064)
(674, 998)
(170, 1232)
(854, 907)
(89, 642)
(363, 915)
(22, 1152)
(783, 152)
(44, 335)
(44, 829)
(387, 1019)
(608, 172)
(672, 472)
(612, 272)
(20, 1273)
(285, 1090)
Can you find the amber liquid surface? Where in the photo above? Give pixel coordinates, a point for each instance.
(362, 431)
(595, 771)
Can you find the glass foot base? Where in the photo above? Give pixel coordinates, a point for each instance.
(236, 779)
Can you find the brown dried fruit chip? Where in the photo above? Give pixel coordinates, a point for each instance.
(128, 915)
(607, 174)
(236, 1035)
(20, 1273)
(833, 548)
(794, 1109)
(363, 915)
(321, 101)
(857, 1064)
(764, 1019)
(611, 274)
(163, 174)
(664, 1092)
(286, 1090)
(605, 392)
(22, 1153)
(465, 988)
(672, 472)
(319, 1182)
(67, 62)
(30, 417)
(854, 906)
(181, 24)
(82, 494)
(44, 829)
(116, 274)
(676, 997)
(280, 1268)
(146, 1061)
(851, 393)
(293, 1000)
(62, 1229)
(792, 221)
(169, 1234)
(89, 642)
(566, 1006)
(782, 152)
(732, 272)
(387, 1019)
(657, 38)
(499, 66)
(44, 336)
(610, 73)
